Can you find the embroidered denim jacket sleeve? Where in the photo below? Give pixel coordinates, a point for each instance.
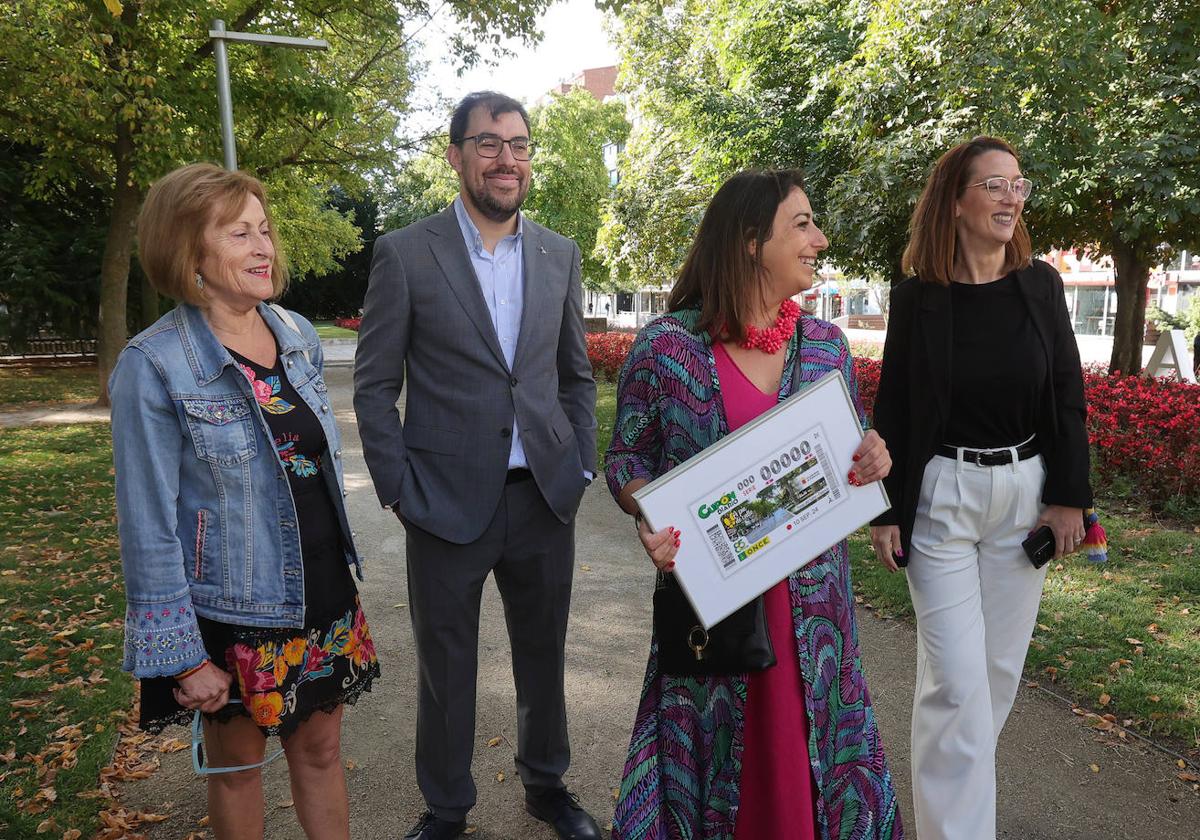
(162, 636)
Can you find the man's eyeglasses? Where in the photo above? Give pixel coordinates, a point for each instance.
(998, 188)
(490, 146)
(198, 762)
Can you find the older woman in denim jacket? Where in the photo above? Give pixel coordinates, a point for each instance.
(234, 538)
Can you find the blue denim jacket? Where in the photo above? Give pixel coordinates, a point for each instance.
(205, 513)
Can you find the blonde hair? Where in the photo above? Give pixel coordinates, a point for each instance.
(932, 236)
(178, 209)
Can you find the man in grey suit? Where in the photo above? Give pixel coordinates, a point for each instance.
(479, 311)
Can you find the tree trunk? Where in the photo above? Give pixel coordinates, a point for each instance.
(1132, 274)
(114, 266)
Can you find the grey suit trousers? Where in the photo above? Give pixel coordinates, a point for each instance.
(531, 553)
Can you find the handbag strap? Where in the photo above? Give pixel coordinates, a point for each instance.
(287, 318)
(797, 362)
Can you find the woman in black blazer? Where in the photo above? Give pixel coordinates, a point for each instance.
(981, 401)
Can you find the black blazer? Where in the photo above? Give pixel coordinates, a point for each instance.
(913, 402)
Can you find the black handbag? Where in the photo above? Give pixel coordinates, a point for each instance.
(737, 644)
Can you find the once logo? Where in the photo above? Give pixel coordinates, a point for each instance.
(719, 505)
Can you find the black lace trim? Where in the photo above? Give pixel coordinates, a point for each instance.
(349, 697)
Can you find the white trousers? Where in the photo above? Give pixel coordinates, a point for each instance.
(976, 597)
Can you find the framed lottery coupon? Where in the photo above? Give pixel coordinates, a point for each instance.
(765, 500)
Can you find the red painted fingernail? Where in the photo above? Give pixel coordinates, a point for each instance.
(677, 543)
(852, 476)
(900, 552)
(671, 566)
(856, 457)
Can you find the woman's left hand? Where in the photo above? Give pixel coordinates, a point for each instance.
(872, 461)
(1067, 525)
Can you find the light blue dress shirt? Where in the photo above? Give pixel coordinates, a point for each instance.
(501, 277)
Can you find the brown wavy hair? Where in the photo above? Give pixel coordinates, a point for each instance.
(720, 276)
(932, 236)
(177, 210)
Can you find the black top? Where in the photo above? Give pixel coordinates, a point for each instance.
(913, 401)
(300, 443)
(998, 368)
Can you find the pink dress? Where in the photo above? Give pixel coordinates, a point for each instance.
(778, 797)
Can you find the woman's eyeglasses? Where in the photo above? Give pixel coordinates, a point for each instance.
(998, 188)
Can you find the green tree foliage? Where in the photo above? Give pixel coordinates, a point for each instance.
(117, 93)
(340, 291)
(716, 87)
(570, 180)
(424, 185)
(1102, 99)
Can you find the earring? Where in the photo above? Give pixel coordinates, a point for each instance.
(199, 281)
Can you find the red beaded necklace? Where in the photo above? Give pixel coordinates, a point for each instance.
(772, 339)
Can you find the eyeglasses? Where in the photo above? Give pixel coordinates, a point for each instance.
(490, 146)
(998, 188)
(203, 769)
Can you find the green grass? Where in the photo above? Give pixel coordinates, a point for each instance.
(326, 329)
(1122, 638)
(61, 606)
(606, 415)
(47, 383)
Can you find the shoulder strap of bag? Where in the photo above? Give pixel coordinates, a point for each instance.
(797, 369)
(287, 318)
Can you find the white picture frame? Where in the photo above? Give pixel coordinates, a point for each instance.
(765, 500)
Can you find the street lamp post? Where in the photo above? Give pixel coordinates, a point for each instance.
(219, 36)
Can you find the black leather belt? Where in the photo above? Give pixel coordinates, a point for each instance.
(517, 475)
(990, 457)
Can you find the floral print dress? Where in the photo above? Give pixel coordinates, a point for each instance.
(284, 675)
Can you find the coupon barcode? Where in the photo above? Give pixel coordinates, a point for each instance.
(835, 487)
(724, 553)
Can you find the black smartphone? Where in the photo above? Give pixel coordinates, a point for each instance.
(1039, 546)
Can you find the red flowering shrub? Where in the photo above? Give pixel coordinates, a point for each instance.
(1146, 431)
(348, 323)
(607, 352)
(866, 371)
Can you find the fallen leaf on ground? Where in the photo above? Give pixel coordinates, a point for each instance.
(495, 742)
(500, 776)
(1095, 768)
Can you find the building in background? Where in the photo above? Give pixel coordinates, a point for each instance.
(600, 82)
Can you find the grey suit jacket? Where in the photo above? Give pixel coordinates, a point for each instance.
(425, 325)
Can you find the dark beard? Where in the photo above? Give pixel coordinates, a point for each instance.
(491, 208)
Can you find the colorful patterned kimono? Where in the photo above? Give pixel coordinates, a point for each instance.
(684, 766)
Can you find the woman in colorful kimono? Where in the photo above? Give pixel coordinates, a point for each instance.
(790, 752)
